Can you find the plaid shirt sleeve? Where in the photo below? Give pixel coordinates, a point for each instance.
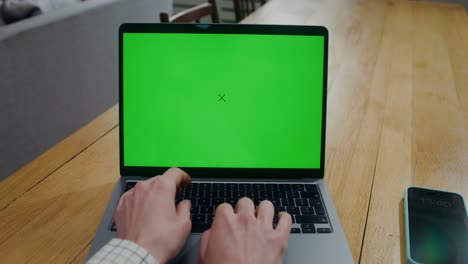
(122, 251)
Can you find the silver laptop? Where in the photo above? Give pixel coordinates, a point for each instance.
(241, 108)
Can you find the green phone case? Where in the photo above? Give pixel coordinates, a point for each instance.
(409, 260)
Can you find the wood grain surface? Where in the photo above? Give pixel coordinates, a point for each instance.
(397, 116)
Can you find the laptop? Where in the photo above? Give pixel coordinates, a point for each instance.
(240, 108)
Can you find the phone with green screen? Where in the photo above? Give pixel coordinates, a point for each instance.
(436, 227)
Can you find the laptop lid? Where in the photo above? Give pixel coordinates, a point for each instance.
(223, 101)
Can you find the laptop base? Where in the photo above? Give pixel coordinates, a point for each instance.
(320, 248)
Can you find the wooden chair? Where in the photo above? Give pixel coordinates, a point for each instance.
(243, 8)
(193, 14)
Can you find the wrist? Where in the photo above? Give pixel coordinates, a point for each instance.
(135, 249)
(155, 252)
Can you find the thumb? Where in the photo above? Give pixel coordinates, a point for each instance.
(204, 244)
(183, 209)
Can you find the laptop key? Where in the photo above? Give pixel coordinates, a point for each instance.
(319, 209)
(293, 210)
(293, 218)
(279, 209)
(195, 209)
(232, 201)
(287, 202)
(204, 201)
(206, 209)
(129, 186)
(242, 193)
(205, 186)
(314, 195)
(218, 187)
(232, 187)
(295, 230)
(200, 227)
(195, 194)
(250, 194)
(271, 187)
(218, 201)
(279, 194)
(307, 210)
(198, 218)
(265, 196)
(316, 203)
(298, 187)
(113, 226)
(323, 230)
(293, 194)
(276, 201)
(211, 194)
(245, 186)
(258, 187)
(308, 230)
(301, 202)
(311, 188)
(311, 219)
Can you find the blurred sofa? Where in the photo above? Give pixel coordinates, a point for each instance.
(58, 71)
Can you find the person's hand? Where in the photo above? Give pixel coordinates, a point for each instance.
(241, 237)
(147, 215)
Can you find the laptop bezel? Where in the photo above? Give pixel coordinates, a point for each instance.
(231, 173)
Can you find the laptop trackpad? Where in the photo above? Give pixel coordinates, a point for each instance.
(191, 250)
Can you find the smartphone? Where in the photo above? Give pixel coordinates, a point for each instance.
(436, 227)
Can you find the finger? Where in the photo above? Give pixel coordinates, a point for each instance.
(224, 208)
(284, 224)
(120, 214)
(245, 205)
(129, 192)
(183, 209)
(177, 176)
(266, 213)
(117, 210)
(204, 244)
(127, 195)
(150, 180)
(119, 205)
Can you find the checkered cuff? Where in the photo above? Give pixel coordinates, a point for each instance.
(122, 251)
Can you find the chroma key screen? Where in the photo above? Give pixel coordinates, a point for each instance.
(222, 100)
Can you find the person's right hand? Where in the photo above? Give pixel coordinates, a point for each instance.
(241, 237)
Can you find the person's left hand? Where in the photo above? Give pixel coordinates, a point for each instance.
(147, 215)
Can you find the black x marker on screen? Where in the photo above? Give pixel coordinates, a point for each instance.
(221, 97)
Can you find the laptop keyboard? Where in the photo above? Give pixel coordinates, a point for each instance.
(302, 201)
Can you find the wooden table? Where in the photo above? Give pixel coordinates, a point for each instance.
(397, 116)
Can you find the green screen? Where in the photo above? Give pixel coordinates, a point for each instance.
(222, 100)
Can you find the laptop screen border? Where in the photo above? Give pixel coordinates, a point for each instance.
(231, 173)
